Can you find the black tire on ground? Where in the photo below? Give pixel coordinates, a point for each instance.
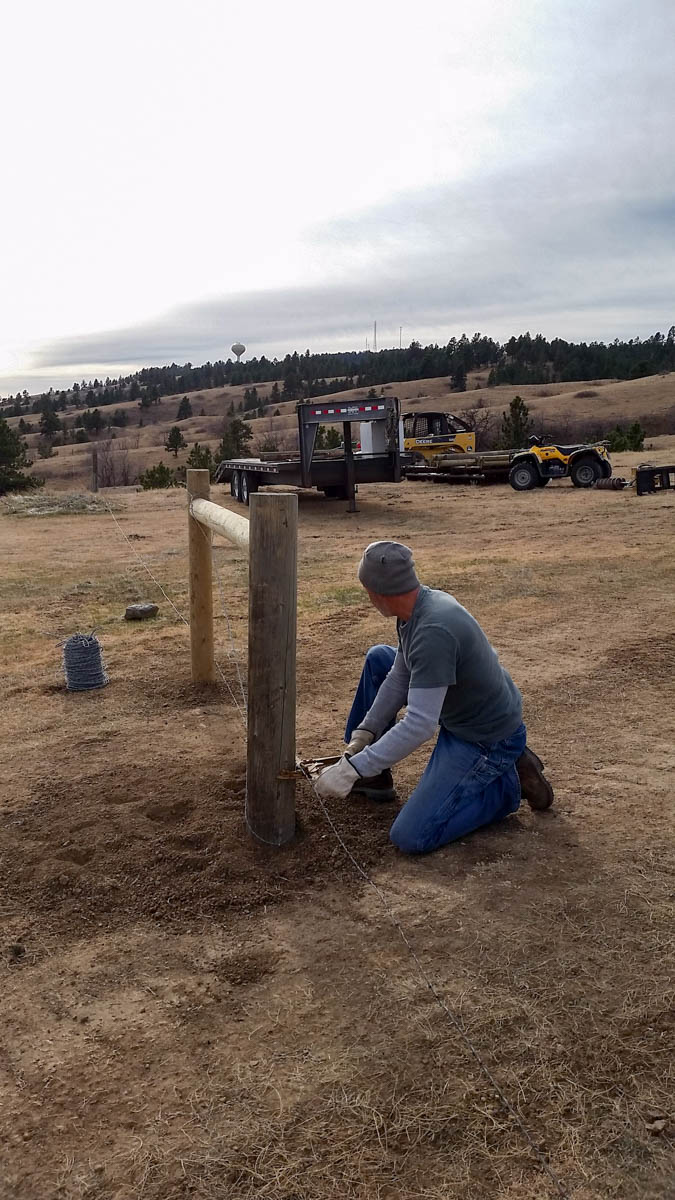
(335, 492)
(523, 476)
(248, 485)
(585, 470)
(543, 480)
(235, 485)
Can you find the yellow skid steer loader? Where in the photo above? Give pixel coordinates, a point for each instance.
(426, 435)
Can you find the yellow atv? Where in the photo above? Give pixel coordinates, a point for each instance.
(426, 435)
(534, 467)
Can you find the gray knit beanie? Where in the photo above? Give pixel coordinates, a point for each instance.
(388, 569)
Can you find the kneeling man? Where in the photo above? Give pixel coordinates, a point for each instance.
(447, 674)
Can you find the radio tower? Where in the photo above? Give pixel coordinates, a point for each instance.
(375, 337)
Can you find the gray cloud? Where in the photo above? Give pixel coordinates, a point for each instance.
(569, 232)
(519, 246)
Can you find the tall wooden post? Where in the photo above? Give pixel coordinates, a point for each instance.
(270, 786)
(201, 587)
(94, 470)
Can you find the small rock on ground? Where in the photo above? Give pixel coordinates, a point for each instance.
(140, 612)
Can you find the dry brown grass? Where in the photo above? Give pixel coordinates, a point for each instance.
(192, 1017)
(55, 504)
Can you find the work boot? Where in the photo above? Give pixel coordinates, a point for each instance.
(376, 787)
(535, 788)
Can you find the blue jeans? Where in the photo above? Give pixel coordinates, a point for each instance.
(465, 784)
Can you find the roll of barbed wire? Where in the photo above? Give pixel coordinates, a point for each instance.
(83, 664)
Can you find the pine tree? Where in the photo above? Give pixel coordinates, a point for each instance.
(327, 438)
(184, 409)
(92, 420)
(49, 423)
(516, 425)
(159, 476)
(635, 436)
(201, 458)
(235, 437)
(175, 441)
(293, 389)
(13, 457)
(458, 378)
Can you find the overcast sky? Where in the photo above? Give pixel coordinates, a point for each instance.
(177, 176)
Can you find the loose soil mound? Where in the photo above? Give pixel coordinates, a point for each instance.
(112, 844)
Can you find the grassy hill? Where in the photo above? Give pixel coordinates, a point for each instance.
(565, 411)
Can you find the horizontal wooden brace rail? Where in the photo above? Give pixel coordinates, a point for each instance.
(220, 520)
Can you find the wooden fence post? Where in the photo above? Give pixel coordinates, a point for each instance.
(270, 785)
(201, 588)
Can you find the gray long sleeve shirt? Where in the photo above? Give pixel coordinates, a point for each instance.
(446, 671)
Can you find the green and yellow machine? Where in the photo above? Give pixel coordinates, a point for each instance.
(428, 435)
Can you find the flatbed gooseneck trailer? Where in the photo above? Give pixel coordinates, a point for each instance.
(336, 475)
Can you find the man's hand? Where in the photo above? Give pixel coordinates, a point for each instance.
(337, 781)
(360, 739)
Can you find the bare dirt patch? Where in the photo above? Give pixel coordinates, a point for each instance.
(85, 849)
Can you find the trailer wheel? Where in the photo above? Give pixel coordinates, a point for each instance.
(235, 485)
(585, 471)
(248, 485)
(335, 492)
(523, 476)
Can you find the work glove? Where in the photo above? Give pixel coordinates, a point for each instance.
(337, 781)
(360, 739)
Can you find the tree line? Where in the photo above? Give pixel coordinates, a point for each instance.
(522, 359)
(535, 360)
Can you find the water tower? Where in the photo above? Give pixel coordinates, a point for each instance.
(238, 349)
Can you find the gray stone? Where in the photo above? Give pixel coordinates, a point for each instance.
(140, 612)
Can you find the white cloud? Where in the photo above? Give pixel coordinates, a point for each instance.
(179, 175)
